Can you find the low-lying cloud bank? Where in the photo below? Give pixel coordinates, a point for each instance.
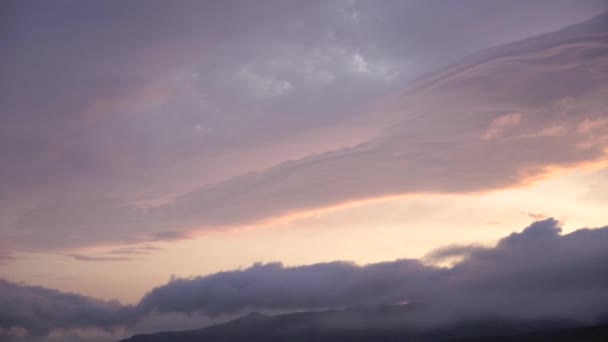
(535, 274)
(33, 310)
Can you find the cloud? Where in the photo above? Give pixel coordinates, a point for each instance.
(500, 124)
(6, 256)
(267, 118)
(273, 286)
(448, 253)
(126, 253)
(534, 274)
(134, 250)
(556, 276)
(81, 257)
(34, 311)
(535, 216)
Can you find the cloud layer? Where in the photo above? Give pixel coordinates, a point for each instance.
(533, 274)
(171, 120)
(33, 310)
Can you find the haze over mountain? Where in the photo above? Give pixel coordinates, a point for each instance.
(378, 324)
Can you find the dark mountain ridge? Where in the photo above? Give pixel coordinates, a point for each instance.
(384, 323)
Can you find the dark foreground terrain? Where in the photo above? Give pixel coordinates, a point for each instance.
(376, 325)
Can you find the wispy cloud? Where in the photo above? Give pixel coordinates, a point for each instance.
(499, 125)
(82, 257)
(134, 250)
(535, 216)
(6, 256)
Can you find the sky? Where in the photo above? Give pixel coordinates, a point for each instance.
(148, 145)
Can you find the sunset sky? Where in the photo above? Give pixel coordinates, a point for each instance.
(144, 141)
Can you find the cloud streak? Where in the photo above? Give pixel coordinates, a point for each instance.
(127, 253)
(82, 257)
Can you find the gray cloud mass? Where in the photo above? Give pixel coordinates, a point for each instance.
(534, 274)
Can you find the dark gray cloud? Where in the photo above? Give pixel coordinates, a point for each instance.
(534, 274)
(537, 273)
(273, 286)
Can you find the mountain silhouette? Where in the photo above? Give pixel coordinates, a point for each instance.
(383, 323)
